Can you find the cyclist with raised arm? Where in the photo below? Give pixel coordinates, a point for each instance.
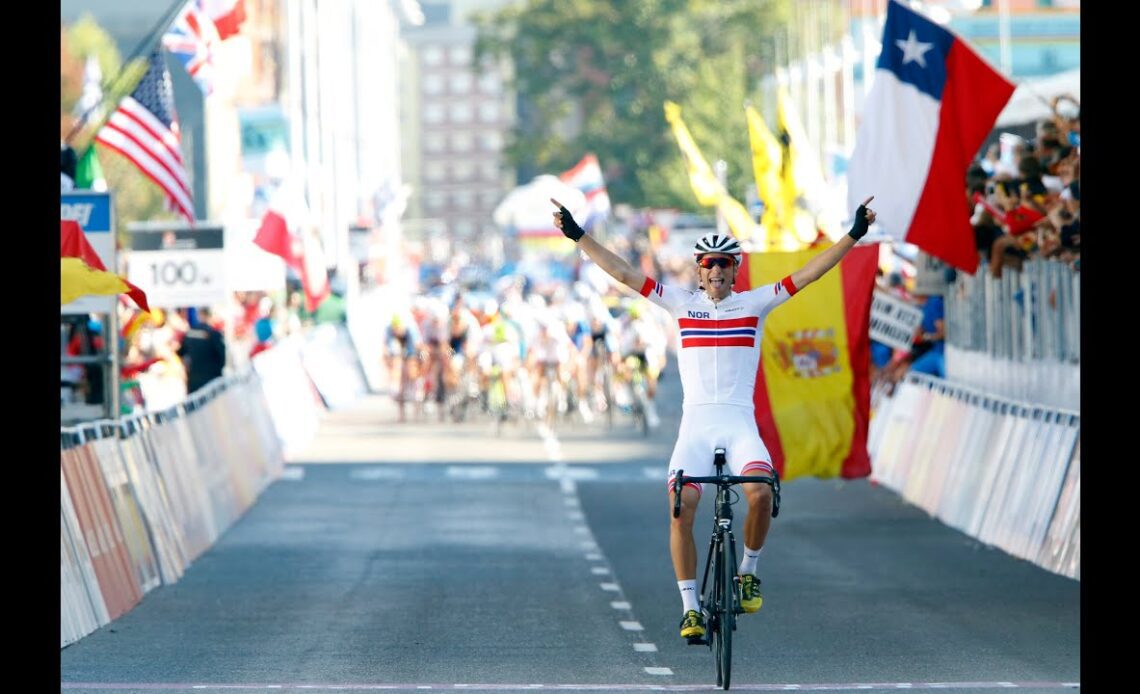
(718, 357)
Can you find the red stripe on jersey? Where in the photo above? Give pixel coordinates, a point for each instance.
(708, 324)
(787, 282)
(648, 286)
(718, 342)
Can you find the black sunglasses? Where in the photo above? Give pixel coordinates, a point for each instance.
(707, 262)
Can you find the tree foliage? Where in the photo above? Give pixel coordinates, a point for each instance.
(593, 77)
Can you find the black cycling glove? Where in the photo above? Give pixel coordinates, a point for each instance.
(570, 228)
(859, 228)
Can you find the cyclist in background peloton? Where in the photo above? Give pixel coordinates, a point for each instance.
(718, 357)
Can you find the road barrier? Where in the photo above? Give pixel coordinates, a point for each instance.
(143, 496)
(1004, 472)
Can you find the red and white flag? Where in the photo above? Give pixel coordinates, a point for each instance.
(228, 15)
(934, 101)
(300, 251)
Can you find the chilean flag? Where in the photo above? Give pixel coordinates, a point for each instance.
(933, 103)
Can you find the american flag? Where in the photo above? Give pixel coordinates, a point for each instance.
(144, 129)
(192, 38)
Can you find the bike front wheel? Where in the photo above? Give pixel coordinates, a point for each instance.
(726, 617)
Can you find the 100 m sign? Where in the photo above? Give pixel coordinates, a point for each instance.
(172, 272)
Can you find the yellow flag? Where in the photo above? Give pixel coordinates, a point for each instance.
(701, 177)
(707, 188)
(801, 180)
(766, 161)
(77, 278)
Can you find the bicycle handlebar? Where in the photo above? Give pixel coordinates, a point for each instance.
(680, 479)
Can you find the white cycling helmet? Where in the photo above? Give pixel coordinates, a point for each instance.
(713, 242)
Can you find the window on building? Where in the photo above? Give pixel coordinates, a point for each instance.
(489, 83)
(461, 83)
(434, 142)
(434, 172)
(463, 170)
(461, 113)
(490, 141)
(432, 55)
(460, 55)
(433, 84)
(489, 112)
(463, 200)
(433, 113)
(434, 202)
(462, 141)
(489, 199)
(488, 170)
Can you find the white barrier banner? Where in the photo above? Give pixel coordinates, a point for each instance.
(1005, 473)
(893, 320)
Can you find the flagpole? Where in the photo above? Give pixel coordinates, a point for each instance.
(154, 34)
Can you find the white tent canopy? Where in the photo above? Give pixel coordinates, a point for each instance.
(1030, 101)
(528, 210)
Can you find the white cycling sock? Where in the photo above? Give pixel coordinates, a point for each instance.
(689, 595)
(748, 563)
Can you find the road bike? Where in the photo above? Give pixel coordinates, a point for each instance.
(720, 587)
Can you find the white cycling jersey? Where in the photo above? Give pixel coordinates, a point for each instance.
(719, 343)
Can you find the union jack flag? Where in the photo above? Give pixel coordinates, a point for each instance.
(192, 38)
(144, 129)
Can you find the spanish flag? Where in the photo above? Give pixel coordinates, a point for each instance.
(813, 394)
(82, 273)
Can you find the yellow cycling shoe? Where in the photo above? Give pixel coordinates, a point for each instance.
(750, 598)
(692, 625)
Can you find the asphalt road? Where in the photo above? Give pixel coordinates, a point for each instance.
(432, 556)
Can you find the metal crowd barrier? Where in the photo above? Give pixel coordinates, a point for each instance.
(143, 496)
(1004, 472)
(1032, 314)
(1026, 322)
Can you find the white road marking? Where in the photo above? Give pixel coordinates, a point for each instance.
(473, 472)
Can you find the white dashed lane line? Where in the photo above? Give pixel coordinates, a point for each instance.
(568, 478)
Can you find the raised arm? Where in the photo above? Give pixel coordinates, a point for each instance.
(819, 265)
(606, 259)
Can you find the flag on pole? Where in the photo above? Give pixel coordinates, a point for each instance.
(813, 393)
(933, 103)
(192, 38)
(301, 254)
(89, 173)
(705, 185)
(766, 162)
(82, 273)
(227, 15)
(144, 129)
(802, 186)
(586, 176)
